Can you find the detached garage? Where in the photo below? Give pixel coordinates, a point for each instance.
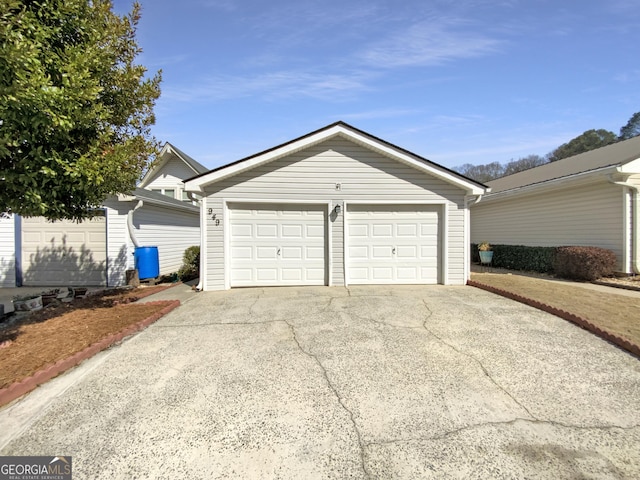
(335, 207)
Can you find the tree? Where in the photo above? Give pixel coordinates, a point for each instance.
(524, 163)
(481, 173)
(75, 110)
(589, 140)
(631, 129)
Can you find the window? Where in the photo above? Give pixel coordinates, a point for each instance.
(170, 192)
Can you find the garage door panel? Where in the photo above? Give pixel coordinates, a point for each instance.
(384, 274)
(266, 274)
(289, 242)
(265, 253)
(241, 230)
(407, 230)
(382, 230)
(357, 230)
(393, 244)
(407, 273)
(315, 231)
(266, 231)
(292, 274)
(379, 252)
(407, 251)
(315, 253)
(291, 253)
(292, 231)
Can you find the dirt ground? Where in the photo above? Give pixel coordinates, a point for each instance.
(34, 341)
(616, 313)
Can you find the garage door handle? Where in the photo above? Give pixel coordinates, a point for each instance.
(278, 251)
(394, 250)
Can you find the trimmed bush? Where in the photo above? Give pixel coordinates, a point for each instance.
(584, 263)
(190, 268)
(519, 257)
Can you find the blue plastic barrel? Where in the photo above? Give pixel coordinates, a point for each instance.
(147, 262)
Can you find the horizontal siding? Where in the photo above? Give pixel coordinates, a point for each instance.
(172, 231)
(7, 252)
(363, 175)
(589, 215)
(215, 246)
(337, 240)
(170, 175)
(119, 251)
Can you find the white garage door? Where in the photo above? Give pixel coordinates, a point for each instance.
(394, 244)
(64, 253)
(278, 245)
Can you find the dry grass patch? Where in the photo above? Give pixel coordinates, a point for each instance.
(619, 314)
(47, 336)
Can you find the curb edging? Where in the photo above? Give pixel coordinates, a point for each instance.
(576, 319)
(18, 389)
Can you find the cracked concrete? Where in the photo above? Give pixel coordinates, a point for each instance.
(364, 382)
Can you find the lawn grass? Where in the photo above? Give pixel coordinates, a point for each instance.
(616, 313)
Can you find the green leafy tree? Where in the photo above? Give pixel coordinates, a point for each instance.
(589, 140)
(75, 108)
(631, 129)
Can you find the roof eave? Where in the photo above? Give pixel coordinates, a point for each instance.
(553, 183)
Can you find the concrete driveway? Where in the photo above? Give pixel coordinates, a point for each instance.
(369, 382)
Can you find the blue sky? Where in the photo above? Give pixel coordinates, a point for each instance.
(464, 81)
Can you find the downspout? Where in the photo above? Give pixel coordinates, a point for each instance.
(193, 198)
(132, 230)
(468, 202)
(635, 228)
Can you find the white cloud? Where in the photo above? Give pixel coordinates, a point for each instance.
(430, 42)
(275, 85)
(380, 113)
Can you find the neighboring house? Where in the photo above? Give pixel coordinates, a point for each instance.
(335, 207)
(36, 252)
(590, 199)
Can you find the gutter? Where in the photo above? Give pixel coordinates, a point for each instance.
(635, 228)
(132, 230)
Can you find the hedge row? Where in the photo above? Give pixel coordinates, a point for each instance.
(579, 263)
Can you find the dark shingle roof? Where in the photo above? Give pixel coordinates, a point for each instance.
(616, 154)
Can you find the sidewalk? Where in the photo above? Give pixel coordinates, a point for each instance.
(181, 291)
(479, 271)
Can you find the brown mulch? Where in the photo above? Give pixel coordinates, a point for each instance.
(44, 337)
(616, 313)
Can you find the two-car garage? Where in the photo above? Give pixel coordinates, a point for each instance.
(288, 244)
(334, 207)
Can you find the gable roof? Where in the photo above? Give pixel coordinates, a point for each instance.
(168, 151)
(158, 199)
(615, 155)
(344, 130)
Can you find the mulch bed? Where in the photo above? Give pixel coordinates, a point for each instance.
(51, 335)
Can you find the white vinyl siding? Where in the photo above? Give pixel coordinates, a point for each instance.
(172, 231)
(64, 253)
(590, 215)
(312, 175)
(337, 243)
(7, 252)
(215, 242)
(119, 246)
(168, 180)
